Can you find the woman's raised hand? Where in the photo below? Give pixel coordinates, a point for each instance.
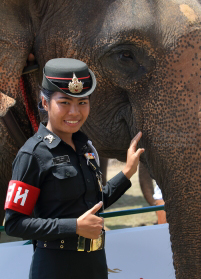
(133, 157)
(89, 225)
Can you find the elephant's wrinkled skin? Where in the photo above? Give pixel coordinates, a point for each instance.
(147, 59)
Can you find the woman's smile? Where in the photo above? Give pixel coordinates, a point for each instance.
(71, 122)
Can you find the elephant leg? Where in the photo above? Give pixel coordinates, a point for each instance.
(103, 166)
(146, 184)
(8, 150)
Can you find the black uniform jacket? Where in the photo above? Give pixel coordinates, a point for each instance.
(68, 186)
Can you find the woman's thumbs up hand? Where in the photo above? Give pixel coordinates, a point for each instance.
(89, 225)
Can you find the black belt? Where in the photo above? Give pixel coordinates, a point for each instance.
(77, 243)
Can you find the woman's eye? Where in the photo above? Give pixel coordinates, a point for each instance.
(83, 103)
(65, 103)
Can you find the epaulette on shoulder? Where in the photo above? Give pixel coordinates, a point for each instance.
(31, 144)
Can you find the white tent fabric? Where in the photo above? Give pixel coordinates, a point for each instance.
(141, 253)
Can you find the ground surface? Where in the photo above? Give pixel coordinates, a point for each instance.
(133, 198)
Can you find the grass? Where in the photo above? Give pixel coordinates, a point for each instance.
(133, 198)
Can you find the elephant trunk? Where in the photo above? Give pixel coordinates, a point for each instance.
(183, 216)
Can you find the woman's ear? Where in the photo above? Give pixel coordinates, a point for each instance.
(44, 103)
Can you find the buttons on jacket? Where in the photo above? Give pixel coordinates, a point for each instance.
(62, 246)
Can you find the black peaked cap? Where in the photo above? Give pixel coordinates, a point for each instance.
(58, 76)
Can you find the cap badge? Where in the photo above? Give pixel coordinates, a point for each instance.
(50, 138)
(75, 86)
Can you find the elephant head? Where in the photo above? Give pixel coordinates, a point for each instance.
(146, 56)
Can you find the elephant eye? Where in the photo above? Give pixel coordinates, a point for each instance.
(126, 55)
(127, 60)
(128, 63)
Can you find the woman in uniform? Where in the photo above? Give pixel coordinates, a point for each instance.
(56, 175)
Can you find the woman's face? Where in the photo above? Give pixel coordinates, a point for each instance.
(66, 114)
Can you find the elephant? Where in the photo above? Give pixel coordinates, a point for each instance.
(146, 185)
(146, 56)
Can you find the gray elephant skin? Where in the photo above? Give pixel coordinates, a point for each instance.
(146, 55)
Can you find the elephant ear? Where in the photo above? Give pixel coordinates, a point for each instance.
(16, 40)
(5, 103)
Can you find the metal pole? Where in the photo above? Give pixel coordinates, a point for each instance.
(124, 212)
(132, 211)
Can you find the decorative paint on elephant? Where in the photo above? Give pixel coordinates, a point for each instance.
(146, 56)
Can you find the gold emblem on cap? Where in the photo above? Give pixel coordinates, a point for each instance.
(75, 86)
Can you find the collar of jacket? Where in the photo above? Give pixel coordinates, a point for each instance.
(52, 140)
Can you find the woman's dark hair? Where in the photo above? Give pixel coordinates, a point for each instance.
(47, 94)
